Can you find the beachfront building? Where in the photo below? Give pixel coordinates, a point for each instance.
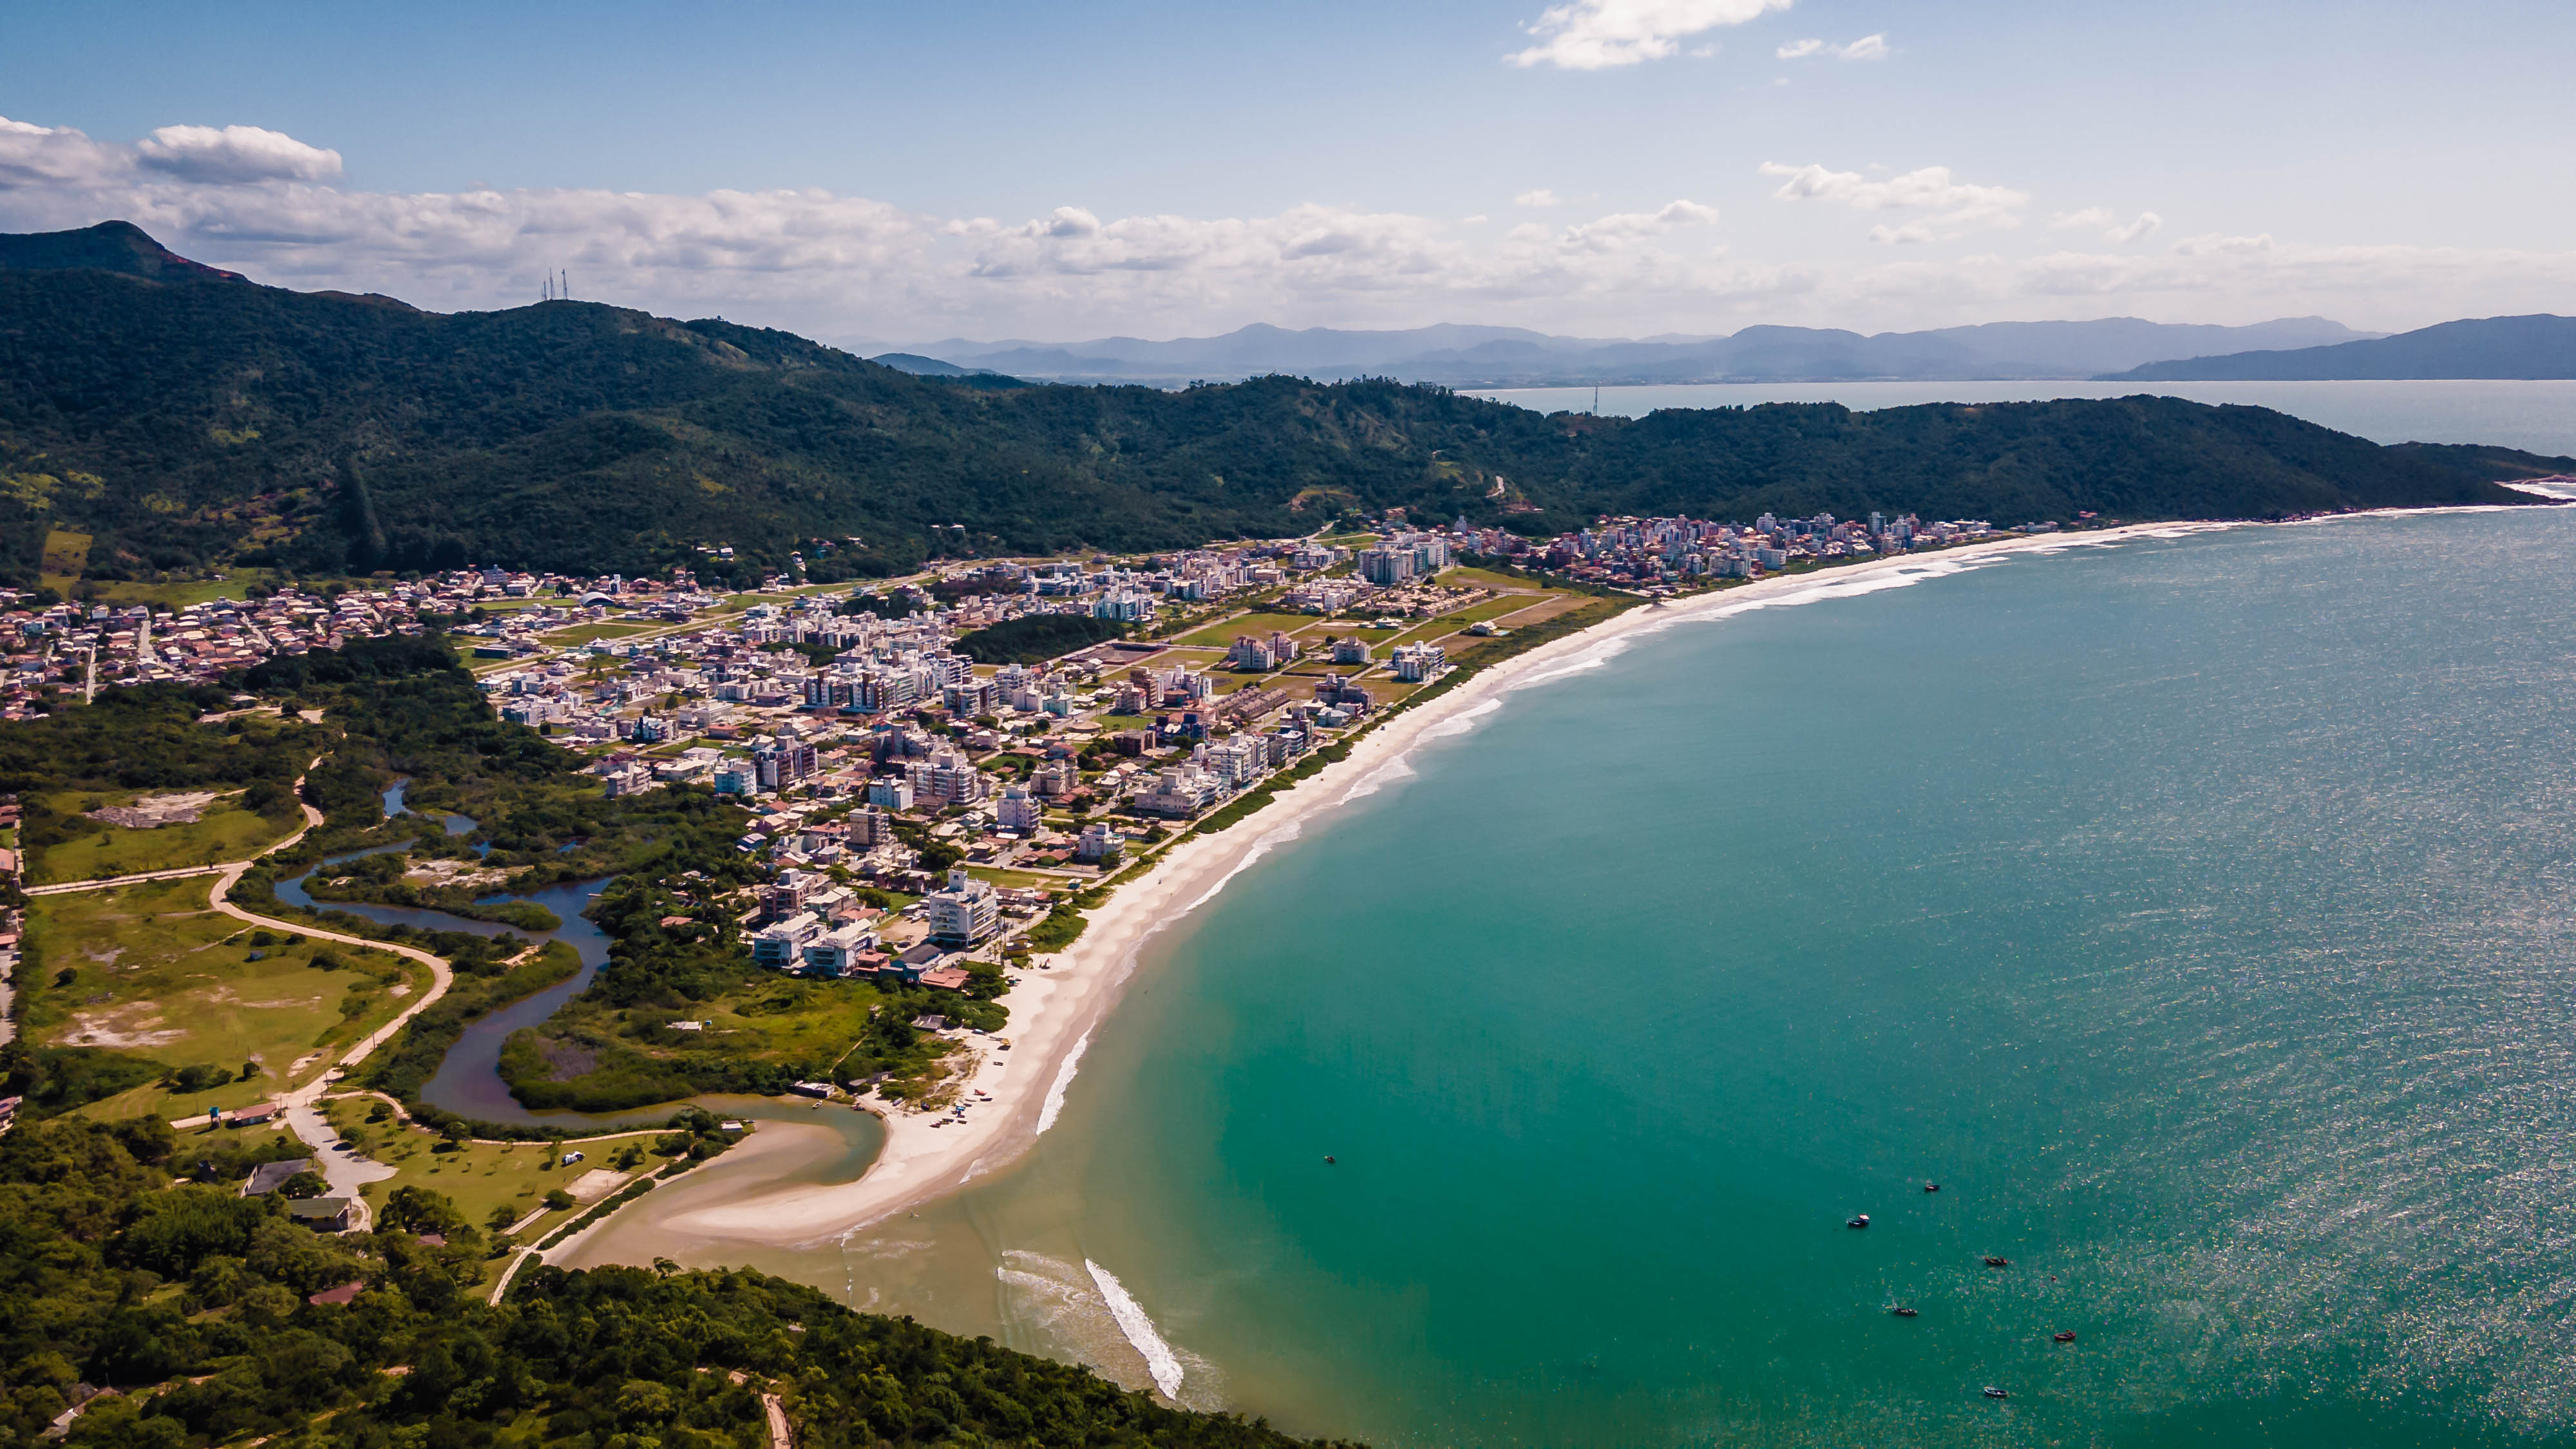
(1414, 663)
(1178, 794)
(1350, 651)
(966, 914)
(1100, 844)
(890, 793)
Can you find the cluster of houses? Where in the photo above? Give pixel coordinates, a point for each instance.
(1669, 552)
(76, 648)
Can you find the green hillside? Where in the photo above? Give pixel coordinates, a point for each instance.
(187, 419)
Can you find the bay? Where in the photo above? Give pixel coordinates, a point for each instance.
(2194, 910)
(2538, 416)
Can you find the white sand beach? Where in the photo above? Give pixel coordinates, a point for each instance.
(1053, 1012)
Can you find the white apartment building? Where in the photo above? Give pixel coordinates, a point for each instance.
(781, 946)
(1018, 810)
(966, 914)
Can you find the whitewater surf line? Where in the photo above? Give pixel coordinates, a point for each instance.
(1054, 1104)
(1160, 1361)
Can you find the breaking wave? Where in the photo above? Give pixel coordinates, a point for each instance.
(1160, 1361)
(1054, 1103)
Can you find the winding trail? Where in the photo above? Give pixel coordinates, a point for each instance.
(299, 1106)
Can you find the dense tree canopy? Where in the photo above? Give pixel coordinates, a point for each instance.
(130, 1261)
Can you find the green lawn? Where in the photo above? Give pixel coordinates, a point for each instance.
(477, 1176)
(154, 971)
(1484, 578)
(1122, 722)
(584, 633)
(1014, 879)
(180, 593)
(1219, 636)
(1543, 610)
(223, 832)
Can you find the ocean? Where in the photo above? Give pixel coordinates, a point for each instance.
(2538, 417)
(2193, 910)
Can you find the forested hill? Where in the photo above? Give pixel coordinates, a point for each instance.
(185, 418)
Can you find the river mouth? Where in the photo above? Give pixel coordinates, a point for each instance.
(468, 1081)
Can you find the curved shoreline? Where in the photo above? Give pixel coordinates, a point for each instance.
(1055, 1012)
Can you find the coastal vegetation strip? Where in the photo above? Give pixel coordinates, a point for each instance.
(135, 1259)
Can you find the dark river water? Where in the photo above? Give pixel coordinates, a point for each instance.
(468, 1081)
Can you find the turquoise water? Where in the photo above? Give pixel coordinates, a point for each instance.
(2539, 416)
(2195, 911)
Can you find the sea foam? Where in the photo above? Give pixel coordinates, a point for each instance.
(1160, 1361)
(1064, 1071)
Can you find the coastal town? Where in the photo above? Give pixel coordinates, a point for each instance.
(52, 647)
(926, 795)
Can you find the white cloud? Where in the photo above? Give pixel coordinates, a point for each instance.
(1598, 34)
(1542, 197)
(32, 155)
(1959, 206)
(847, 267)
(235, 154)
(2108, 221)
(1064, 221)
(1868, 47)
(2223, 246)
(2136, 231)
(1628, 225)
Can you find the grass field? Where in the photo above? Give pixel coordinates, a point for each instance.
(1014, 879)
(1218, 636)
(1543, 610)
(65, 556)
(584, 633)
(1483, 578)
(477, 1176)
(180, 593)
(224, 832)
(154, 971)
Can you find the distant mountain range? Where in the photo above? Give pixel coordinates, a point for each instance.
(2540, 346)
(1466, 356)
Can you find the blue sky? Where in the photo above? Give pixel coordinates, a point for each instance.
(1604, 167)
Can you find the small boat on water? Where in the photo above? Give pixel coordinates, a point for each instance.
(1931, 1187)
(1993, 1392)
(1328, 1162)
(1901, 1311)
(1994, 1262)
(2065, 1335)
(1860, 1221)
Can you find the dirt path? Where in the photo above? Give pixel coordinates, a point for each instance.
(299, 1103)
